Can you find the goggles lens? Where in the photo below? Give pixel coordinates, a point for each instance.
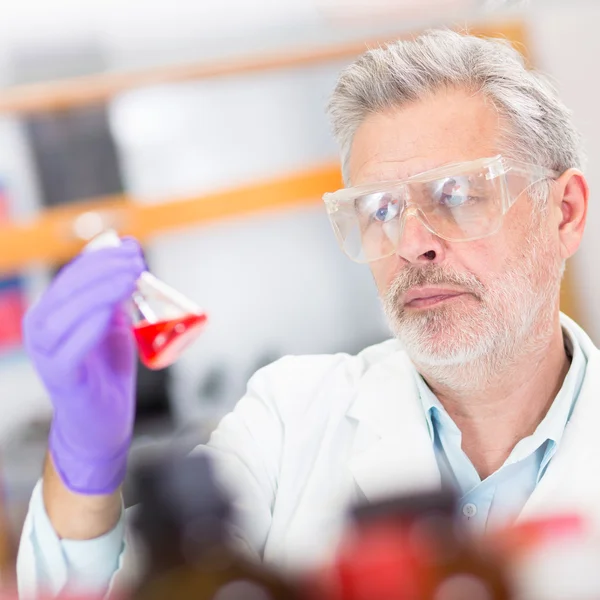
(457, 203)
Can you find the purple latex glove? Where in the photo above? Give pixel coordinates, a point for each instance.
(79, 339)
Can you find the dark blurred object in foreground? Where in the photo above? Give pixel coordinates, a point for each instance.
(399, 549)
(405, 548)
(184, 519)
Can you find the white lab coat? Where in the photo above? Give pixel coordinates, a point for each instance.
(316, 433)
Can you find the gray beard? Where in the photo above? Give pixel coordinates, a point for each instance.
(469, 346)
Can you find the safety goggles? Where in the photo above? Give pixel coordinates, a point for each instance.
(458, 202)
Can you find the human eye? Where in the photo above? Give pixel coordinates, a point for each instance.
(382, 213)
(454, 200)
(456, 192)
(382, 208)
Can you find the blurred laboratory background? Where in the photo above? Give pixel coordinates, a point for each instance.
(200, 128)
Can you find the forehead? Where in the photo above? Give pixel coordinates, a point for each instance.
(449, 126)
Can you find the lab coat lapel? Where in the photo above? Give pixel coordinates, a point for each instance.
(571, 482)
(393, 452)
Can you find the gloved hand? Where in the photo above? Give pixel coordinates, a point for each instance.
(79, 339)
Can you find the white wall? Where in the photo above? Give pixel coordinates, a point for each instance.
(565, 42)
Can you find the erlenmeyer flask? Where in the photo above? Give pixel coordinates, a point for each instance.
(164, 321)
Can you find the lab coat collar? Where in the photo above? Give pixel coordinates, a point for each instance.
(392, 452)
(570, 483)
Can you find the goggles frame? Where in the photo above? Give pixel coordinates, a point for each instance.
(497, 166)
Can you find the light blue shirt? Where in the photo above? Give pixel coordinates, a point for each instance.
(499, 498)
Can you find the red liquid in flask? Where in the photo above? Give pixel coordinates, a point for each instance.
(161, 343)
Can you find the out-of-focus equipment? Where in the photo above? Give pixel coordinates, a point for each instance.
(415, 548)
(403, 548)
(411, 548)
(164, 321)
(7, 548)
(184, 519)
(552, 558)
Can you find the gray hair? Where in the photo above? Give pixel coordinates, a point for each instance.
(538, 127)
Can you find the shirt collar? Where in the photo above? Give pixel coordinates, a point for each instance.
(553, 425)
(433, 408)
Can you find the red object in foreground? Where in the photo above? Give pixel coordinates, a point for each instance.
(160, 344)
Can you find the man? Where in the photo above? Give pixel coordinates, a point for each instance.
(463, 193)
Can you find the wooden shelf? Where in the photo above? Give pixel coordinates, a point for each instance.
(52, 239)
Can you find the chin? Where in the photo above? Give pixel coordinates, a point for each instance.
(428, 356)
(442, 336)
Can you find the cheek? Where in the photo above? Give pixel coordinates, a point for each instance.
(481, 258)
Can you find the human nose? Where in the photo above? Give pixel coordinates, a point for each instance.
(417, 244)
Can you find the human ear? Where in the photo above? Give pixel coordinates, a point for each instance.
(570, 196)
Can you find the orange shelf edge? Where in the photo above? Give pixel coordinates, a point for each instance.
(51, 239)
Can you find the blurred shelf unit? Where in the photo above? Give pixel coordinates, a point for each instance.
(57, 234)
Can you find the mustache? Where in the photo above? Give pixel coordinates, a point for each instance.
(413, 276)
